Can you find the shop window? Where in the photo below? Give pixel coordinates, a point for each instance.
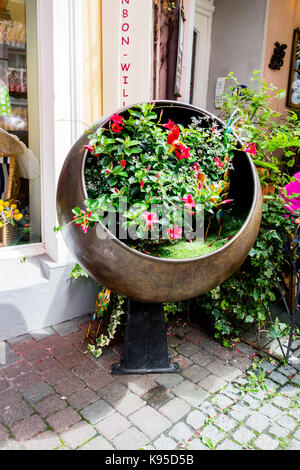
(19, 166)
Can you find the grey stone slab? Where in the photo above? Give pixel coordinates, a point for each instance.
(258, 422)
(196, 419)
(229, 445)
(7, 355)
(287, 422)
(131, 439)
(196, 444)
(278, 431)
(187, 349)
(43, 333)
(190, 392)
(169, 380)
(239, 412)
(212, 383)
(129, 403)
(150, 421)
(78, 434)
(181, 432)
(113, 425)
(212, 434)
(96, 411)
(175, 409)
(265, 442)
(223, 370)
(165, 443)
(45, 441)
(195, 373)
(65, 328)
(37, 393)
(270, 411)
(279, 378)
(19, 339)
(97, 443)
(225, 422)
(243, 435)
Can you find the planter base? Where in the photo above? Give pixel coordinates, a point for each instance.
(146, 348)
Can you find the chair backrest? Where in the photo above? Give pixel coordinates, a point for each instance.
(4, 176)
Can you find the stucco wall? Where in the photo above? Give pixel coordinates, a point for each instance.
(283, 18)
(237, 41)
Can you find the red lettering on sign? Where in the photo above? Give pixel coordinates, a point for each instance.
(125, 80)
(125, 27)
(127, 1)
(125, 67)
(125, 13)
(125, 40)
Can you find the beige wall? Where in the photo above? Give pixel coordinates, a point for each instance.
(92, 61)
(284, 17)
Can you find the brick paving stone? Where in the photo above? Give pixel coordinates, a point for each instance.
(265, 442)
(196, 419)
(37, 393)
(113, 392)
(258, 422)
(212, 383)
(165, 443)
(58, 374)
(47, 440)
(212, 433)
(21, 367)
(3, 433)
(149, 421)
(25, 346)
(96, 411)
(131, 439)
(63, 419)
(187, 349)
(128, 404)
(239, 412)
(27, 380)
(225, 422)
(287, 422)
(113, 425)
(4, 384)
(65, 328)
(50, 405)
(202, 357)
(195, 373)
(82, 398)
(277, 377)
(9, 397)
(223, 370)
(169, 380)
(190, 392)
(72, 359)
(196, 444)
(70, 386)
(278, 431)
(157, 397)
(45, 363)
(142, 385)
(85, 368)
(97, 443)
(175, 409)
(181, 432)
(78, 434)
(243, 435)
(28, 427)
(229, 445)
(270, 411)
(19, 339)
(281, 402)
(11, 414)
(99, 379)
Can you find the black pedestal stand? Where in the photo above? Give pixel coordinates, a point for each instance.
(146, 349)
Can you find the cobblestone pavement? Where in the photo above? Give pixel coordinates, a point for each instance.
(56, 395)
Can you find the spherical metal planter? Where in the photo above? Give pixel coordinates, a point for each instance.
(142, 277)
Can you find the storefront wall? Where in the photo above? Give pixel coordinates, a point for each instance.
(88, 63)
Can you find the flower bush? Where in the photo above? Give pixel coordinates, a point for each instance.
(9, 213)
(168, 174)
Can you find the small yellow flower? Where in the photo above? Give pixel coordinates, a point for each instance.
(6, 204)
(13, 207)
(18, 217)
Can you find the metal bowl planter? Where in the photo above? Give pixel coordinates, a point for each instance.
(144, 279)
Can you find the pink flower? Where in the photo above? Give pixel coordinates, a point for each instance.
(169, 125)
(149, 168)
(219, 163)
(108, 171)
(142, 184)
(251, 148)
(123, 163)
(175, 232)
(189, 201)
(150, 218)
(157, 176)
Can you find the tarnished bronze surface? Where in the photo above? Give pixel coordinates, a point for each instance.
(142, 277)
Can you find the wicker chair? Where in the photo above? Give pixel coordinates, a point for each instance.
(9, 190)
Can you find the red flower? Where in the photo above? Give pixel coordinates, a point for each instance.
(117, 125)
(123, 163)
(189, 201)
(116, 191)
(150, 218)
(175, 232)
(251, 148)
(116, 128)
(84, 222)
(91, 148)
(182, 152)
(173, 135)
(157, 176)
(142, 184)
(169, 125)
